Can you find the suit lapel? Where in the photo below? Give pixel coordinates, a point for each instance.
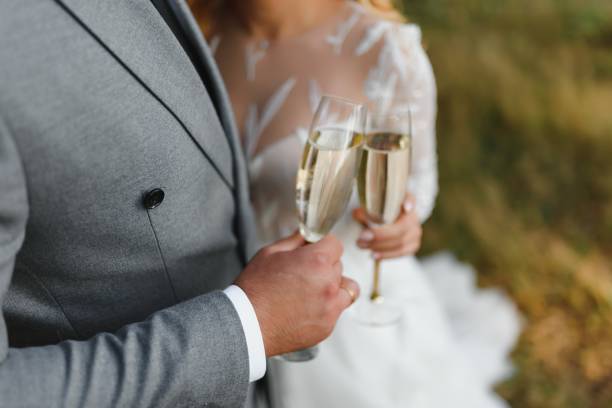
(138, 37)
(209, 66)
(215, 85)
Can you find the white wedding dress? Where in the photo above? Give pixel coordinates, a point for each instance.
(451, 345)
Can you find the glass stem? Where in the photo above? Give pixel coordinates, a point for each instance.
(375, 295)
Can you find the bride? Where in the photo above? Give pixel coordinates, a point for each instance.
(277, 58)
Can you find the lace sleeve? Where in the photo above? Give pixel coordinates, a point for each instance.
(403, 72)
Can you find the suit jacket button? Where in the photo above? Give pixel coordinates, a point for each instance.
(153, 198)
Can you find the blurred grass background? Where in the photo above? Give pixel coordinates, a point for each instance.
(525, 147)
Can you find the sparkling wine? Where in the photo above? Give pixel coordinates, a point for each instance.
(325, 179)
(383, 175)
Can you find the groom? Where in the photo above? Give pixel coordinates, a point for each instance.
(125, 227)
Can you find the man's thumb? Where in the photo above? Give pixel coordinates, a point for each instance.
(289, 243)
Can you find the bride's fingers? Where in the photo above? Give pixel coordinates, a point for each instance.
(387, 245)
(384, 233)
(360, 216)
(409, 203)
(409, 239)
(404, 223)
(391, 248)
(392, 232)
(406, 249)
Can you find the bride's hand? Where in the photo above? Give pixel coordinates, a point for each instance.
(403, 237)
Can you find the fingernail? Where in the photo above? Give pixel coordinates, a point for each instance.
(408, 206)
(376, 255)
(366, 236)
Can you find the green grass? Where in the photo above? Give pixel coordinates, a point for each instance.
(525, 147)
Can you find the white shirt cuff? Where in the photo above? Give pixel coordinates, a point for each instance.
(252, 332)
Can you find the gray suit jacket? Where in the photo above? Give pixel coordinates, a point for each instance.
(123, 211)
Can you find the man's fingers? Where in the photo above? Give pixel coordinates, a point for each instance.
(348, 292)
(338, 268)
(290, 243)
(329, 246)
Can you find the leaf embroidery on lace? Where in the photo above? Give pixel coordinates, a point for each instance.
(213, 44)
(254, 53)
(344, 28)
(381, 81)
(395, 60)
(372, 35)
(398, 56)
(255, 125)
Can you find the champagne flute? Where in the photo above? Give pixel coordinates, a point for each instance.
(325, 177)
(382, 182)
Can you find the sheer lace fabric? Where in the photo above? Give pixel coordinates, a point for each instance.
(427, 360)
(275, 89)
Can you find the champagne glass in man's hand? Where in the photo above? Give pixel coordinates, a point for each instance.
(326, 173)
(298, 290)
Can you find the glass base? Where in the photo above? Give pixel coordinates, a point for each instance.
(377, 312)
(301, 355)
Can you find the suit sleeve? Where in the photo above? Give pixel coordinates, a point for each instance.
(191, 354)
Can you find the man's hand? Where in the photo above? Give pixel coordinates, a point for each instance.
(401, 238)
(297, 291)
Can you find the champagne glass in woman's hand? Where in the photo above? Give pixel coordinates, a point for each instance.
(326, 173)
(382, 182)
